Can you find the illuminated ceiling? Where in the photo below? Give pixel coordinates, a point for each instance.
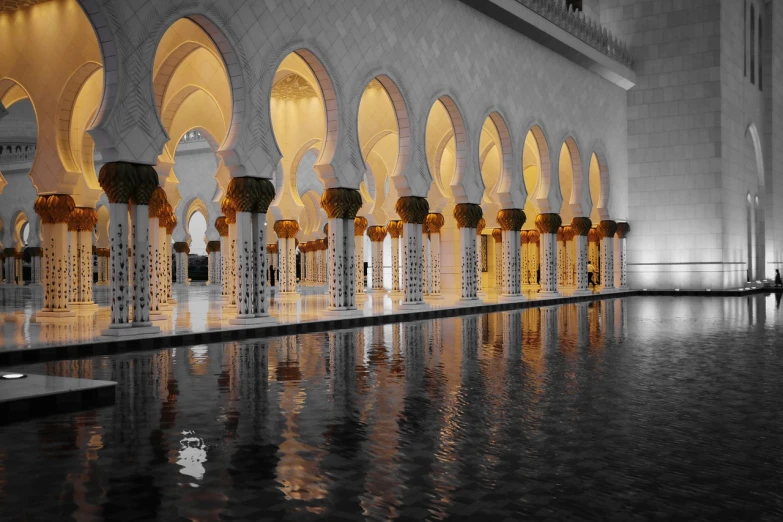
(13, 5)
(293, 87)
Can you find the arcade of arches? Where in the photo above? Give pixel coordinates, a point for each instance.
(428, 206)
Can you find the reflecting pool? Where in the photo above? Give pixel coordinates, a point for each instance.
(635, 408)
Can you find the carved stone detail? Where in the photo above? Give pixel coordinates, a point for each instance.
(341, 203)
(412, 209)
(548, 223)
(468, 215)
(581, 226)
(511, 219)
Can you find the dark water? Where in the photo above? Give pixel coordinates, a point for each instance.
(641, 408)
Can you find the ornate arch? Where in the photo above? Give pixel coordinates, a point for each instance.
(542, 189)
(577, 177)
(602, 205)
(193, 206)
(65, 108)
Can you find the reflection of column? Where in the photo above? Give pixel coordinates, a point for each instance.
(497, 235)
(479, 257)
(582, 323)
(54, 211)
(394, 227)
(377, 234)
(511, 222)
(548, 224)
(593, 253)
(18, 258)
(359, 227)
(286, 230)
(222, 227)
(606, 231)
(467, 216)
(81, 223)
(512, 334)
(549, 333)
(580, 227)
(620, 265)
(341, 205)
(412, 211)
(434, 224)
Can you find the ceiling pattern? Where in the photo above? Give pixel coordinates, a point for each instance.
(13, 5)
(293, 87)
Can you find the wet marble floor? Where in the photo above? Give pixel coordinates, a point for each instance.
(199, 308)
(635, 408)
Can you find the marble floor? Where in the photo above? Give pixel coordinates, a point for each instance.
(199, 308)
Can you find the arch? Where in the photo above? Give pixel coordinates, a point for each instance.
(19, 221)
(599, 186)
(102, 240)
(541, 194)
(314, 215)
(458, 185)
(753, 132)
(162, 77)
(310, 145)
(65, 107)
(195, 205)
(505, 186)
(439, 150)
(574, 192)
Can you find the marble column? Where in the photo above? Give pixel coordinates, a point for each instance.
(222, 227)
(213, 251)
(593, 253)
(272, 250)
(606, 230)
(479, 258)
(468, 216)
(524, 240)
(286, 230)
(377, 235)
(36, 256)
(426, 269)
(534, 256)
(511, 222)
(548, 225)
(54, 211)
(568, 235)
(264, 193)
(341, 206)
(81, 223)
(359, 228)
(231, 271)
(182, 249)
(394, 228)
(171, 224)
(497, 235)
(116, 179)
(561, 258)
(412, 211)
(157, 264)
(145, 183)
(10, 266)
(434, 223)
(580, 227)
(621, 264)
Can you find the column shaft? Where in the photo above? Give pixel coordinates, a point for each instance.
(435, 265)
(118, 250)
(468, 263)
(244, 264)
(548, 263)
(607, 263)
(141, 271)
(411, 263)
(261, 304)
(341, 264)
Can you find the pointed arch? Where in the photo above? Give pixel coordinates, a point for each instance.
(65, 107)
(574, 192)
(599, 186)
(541, 145)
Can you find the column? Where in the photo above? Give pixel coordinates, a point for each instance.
(171, 224)
(213, 250)
(606, 230)
(264, 194)
(116, 180)
(425, 260)
(525, 247)
(286, 230)
(145, 183)
(497, 235)
(479, 258)
(157, 210)
(593, 255)
(511, 222)
(548, 225)
(534, 256)
(81, 223)
(561, 258)
(621, 265)
(36, 255)
(54, 211)
(18, 259)
(222, 227)
(231, 273)
(394, 228)
(73, 263)
(434, 222)
(581, 228)
(271, 251)
(377, 234)
(359, 227)
(10, 265)
(341, 206)
(412, 211)
(568, 236)
(182, 249)
(468, 216)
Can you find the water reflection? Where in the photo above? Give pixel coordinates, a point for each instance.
(655, 406)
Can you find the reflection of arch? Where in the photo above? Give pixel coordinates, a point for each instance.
(602, 205)
(195, 205)
(575, 199)
(65, 109)
(541, 194)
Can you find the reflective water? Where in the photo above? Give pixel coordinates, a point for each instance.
(636, 408)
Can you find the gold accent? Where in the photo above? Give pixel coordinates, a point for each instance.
(171, 221)
(38, 251)
(560, 236)
(524, 237)
(548, 223)
(145, 182)
(158, 203)
(497, 235)
(12, 5)
(116, 179)
(412, 209)
(102, 252)
(213, 246)
(271, 248)
(534, 236)
(286, 228)
(229, 210)
(592, 236)
(568, 233)
(243, 193)
(481, 226)
(511, 219)
(181, 247)
(293, 87)
(359, 226)
(434, 222)
(82, 218)
(222, 226)
(468, 215)
(623, 229)
(341, 203)
(581, 226)
(55, 208)
(607, 228)
(376, 233)
(394, 228)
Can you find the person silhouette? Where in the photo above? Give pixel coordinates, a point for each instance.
(778, 282)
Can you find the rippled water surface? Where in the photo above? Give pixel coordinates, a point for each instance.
(632, 409)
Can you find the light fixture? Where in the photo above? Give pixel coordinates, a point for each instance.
(13, 376)
(676, 289)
